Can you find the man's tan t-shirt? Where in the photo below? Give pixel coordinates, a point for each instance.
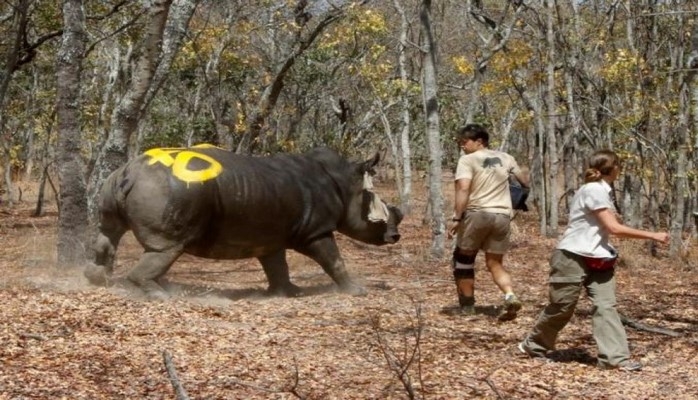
(488, 171)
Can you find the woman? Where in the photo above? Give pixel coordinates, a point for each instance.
(584, 258)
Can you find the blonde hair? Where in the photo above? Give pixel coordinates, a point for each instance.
(601, 164)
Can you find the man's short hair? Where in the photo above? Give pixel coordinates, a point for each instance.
(473, 132)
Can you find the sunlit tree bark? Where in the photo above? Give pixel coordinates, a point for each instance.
(431, 112)
(72, 218)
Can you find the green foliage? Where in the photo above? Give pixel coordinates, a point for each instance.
(177, 133)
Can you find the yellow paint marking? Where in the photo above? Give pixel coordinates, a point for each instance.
(162, 156)
(180, 168)
(178, 160)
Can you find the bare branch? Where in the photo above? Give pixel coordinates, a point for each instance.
(114, 33)
(491, 384)
(115, 9)
(34, 336)
(647, 328)
(400, 366)
(179, 389)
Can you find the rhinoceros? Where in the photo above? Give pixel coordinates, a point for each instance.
(212, 203)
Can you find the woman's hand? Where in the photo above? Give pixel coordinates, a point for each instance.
(662, 237)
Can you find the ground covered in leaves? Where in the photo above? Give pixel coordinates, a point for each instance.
(223, 338)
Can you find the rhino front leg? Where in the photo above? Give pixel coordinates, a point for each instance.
(324, 251)
(153, 265)
(276, 270)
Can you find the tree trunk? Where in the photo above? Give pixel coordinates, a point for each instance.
(538, 181)
(495, 41)
(125, 119)
(431, 108)
(692, 64)
(406, 192)
(178, 18)
(687, 95)
(573, 63)
(30, 132)
(20, 18)
(72, 213)
(553, 159)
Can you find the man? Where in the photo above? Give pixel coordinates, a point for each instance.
(481, 217)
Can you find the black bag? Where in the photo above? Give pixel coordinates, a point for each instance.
(519, 194)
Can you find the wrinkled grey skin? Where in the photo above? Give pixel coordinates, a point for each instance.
(257, 207)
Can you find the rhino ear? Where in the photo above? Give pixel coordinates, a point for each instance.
(369, 165)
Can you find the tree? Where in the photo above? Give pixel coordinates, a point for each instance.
(72, 220)
(551, 126)
(406, 153)
(431, 112)
(143, 85)
(270, 95)
(26, 35)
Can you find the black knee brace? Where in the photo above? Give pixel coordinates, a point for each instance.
(464, 273)
(463, 265)
(462, 258)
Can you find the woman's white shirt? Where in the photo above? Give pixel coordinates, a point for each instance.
(584, 234)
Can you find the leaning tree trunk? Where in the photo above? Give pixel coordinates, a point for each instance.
(429, 92)
(72, 212)
(178, 18)
(125, 119)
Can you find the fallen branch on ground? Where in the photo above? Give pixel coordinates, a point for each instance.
(179, 390)
(34, 336)
(492, 386)
(648, 328)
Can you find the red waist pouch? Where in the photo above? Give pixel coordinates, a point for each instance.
(600, 264)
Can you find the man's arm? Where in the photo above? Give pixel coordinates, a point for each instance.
(462, 197)
(523, 177)
(459, 206)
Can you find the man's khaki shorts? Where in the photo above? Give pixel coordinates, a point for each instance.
(484, 231)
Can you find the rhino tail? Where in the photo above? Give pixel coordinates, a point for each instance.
(118, 186)
(112, 225)
(112, 200)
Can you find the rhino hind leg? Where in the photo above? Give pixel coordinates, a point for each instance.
(99, 273)
(324, 251)
(151, 266)
(276, 270)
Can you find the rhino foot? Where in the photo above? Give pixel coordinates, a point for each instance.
(97, 275)
(353, 289)
(157, 295)
(152, 290)
(288, 290)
